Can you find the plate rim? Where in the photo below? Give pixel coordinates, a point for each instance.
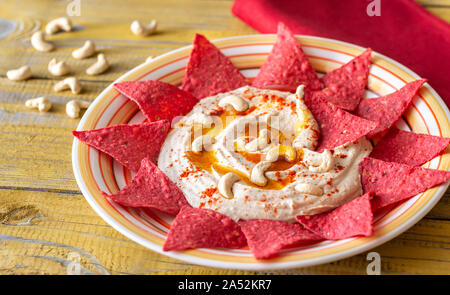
(260, 265)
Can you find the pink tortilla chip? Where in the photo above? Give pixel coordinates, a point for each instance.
(386, 110)
(336, 125)
(408, 147)
(151, 188)
(287, 64)
(128, 144)
(158, 100)
(345, 86)
(393, 182)
(351, 219)
(267, 237)
(209, 71)
(203, 228)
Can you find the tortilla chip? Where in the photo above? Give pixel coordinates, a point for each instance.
(393, 182)
(287, 64)
(386, 110)
(158, 100)
(203, 228)
(151, 188)
(267, 237)
(128, 144)
(408, 147)
(345, 86)
(336, 125)
(351, 219)
(209, 71)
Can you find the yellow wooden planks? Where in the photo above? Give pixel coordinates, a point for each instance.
(40, 229)
(45, 221)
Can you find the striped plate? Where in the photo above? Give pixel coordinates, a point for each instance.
(95, 171)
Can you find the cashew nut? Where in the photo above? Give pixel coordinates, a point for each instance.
(327, 162)
(307, 127)
(58, 68)
(41, 103)
(71, 83)
(59, 24)
(100, 66)
(39, 43)
(151, 57)
(225, 185)
(287, 151)
(203, 142)
(310, 189)
(237, 102)
(88, 49)
(258, 176)
(259, 143)
(74, 107)
(300, 92)
(138, 29)
(19, 74)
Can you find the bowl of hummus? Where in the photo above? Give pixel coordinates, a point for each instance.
(249, 153)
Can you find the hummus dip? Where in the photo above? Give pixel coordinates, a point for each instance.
(272, 131)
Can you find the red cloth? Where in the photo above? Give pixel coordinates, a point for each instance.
(404, 31)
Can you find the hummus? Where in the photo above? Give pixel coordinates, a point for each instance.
(239, 131)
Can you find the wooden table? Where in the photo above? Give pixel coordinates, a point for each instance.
(44, 218)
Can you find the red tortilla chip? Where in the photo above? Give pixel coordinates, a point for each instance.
(151, 188)
(386, 110)
(128, 144)
(336, 125)
(209, 71)
(287, 64)
(394, 182)
(408, 147)
(351, 219)
(203, 228)
(158, 100)
(267, 237)
(345, 86)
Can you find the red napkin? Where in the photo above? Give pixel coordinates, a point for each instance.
(404, 31)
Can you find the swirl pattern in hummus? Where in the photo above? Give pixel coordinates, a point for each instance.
(301, 181)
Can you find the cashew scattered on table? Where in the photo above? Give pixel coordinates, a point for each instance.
(225, 185)
(310, 189)
(19, 74)
(139, 29)
(327, 162)
(71, 83)
(58, 68)
(59, 24)
(258, 176)
(203, 142)
(74, 107)
(100, 66)
(43, 104)
(286, 151)
(87, 50)
(39, 43)
(237, 102)
(259, 143)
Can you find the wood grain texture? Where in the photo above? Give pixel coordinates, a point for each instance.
(45, 221)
